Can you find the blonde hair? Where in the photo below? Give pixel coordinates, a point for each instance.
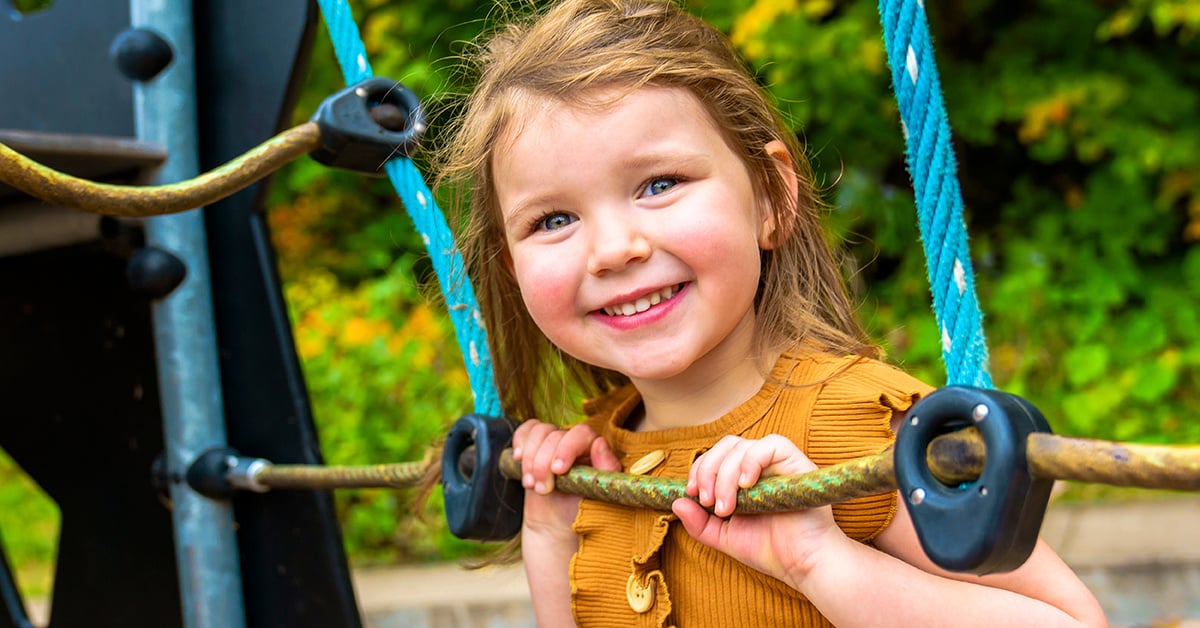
(566, 53)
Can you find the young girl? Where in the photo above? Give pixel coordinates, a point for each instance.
(644, 229)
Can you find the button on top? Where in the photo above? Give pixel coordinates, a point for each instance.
(640, 596)
(648, 462)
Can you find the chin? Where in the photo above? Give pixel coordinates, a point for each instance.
(659, 370)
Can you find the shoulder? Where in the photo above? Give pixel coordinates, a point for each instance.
(859, 380)
(852, 416)
(856, 406)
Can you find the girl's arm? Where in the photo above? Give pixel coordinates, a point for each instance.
(546, 552)
(855, 584)
(547, 539)
(906, 588)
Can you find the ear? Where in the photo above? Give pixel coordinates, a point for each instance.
(782, 158)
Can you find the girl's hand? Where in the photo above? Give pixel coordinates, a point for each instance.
(780, 544)
(544, 451)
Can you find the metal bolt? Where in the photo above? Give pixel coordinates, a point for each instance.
(979, 413)
(913, 421)
(917, 496)
(983, 491)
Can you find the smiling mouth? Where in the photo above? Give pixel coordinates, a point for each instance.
(643, 303)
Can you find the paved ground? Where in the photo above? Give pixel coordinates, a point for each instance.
(1141, 558)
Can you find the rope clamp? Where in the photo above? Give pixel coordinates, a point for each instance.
(481, 503)
(989, 524)
(365, 125)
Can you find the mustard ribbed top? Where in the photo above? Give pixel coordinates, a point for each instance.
(834, 409)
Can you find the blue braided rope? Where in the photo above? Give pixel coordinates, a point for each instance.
(428, 220)
(939, 199)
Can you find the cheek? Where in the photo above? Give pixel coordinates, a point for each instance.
(722, 247)
(546, 289)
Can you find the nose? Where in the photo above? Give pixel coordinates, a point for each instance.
(618, 240)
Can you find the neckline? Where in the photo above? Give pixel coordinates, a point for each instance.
(734, 422)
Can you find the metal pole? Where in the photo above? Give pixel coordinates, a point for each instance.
(185, 334)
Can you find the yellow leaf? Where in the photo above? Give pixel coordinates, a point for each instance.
(309, 346)
(1043, 114)
(756, 18)
(359, 331)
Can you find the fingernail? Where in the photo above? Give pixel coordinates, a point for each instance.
(742, 480)
(527, 480)
(540, 488)
(558, 466)
(517, 453)
(703, 495)
(720, 506)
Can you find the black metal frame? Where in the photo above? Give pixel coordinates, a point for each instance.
(82, 417)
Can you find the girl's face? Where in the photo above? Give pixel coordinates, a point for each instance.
(633, 234)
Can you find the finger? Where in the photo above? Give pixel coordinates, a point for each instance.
(575, 443)
(603, 457)
(543, 477)
(727, 482)
(705, 468)
(521, 435)
(780, 456)
(763, 457)
(533, 440)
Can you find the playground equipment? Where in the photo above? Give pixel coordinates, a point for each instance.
(91, 413)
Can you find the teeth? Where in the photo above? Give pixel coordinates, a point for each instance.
(643, 303)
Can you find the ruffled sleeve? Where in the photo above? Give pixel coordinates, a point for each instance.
(852, 418)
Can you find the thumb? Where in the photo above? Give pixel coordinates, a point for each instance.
(602, 456)
(702, 525)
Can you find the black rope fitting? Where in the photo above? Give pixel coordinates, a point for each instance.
(985, 525)
(481, 503)
(365, 125)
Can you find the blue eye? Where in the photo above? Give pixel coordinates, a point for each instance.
(553, 221)
(659, 185)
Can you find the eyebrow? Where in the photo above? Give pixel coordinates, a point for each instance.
(662, 158)
(668, 160)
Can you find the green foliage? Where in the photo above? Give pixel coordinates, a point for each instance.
(25, 7)
(29, 525)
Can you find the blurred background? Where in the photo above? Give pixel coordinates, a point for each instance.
(1077, 134)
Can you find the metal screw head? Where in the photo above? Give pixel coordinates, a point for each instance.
(983, 491)
(979, 412)
(917, 496)
(914, 420)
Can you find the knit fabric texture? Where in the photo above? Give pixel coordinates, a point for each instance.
(833, 408)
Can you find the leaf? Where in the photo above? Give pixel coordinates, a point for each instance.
(1085, 363)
